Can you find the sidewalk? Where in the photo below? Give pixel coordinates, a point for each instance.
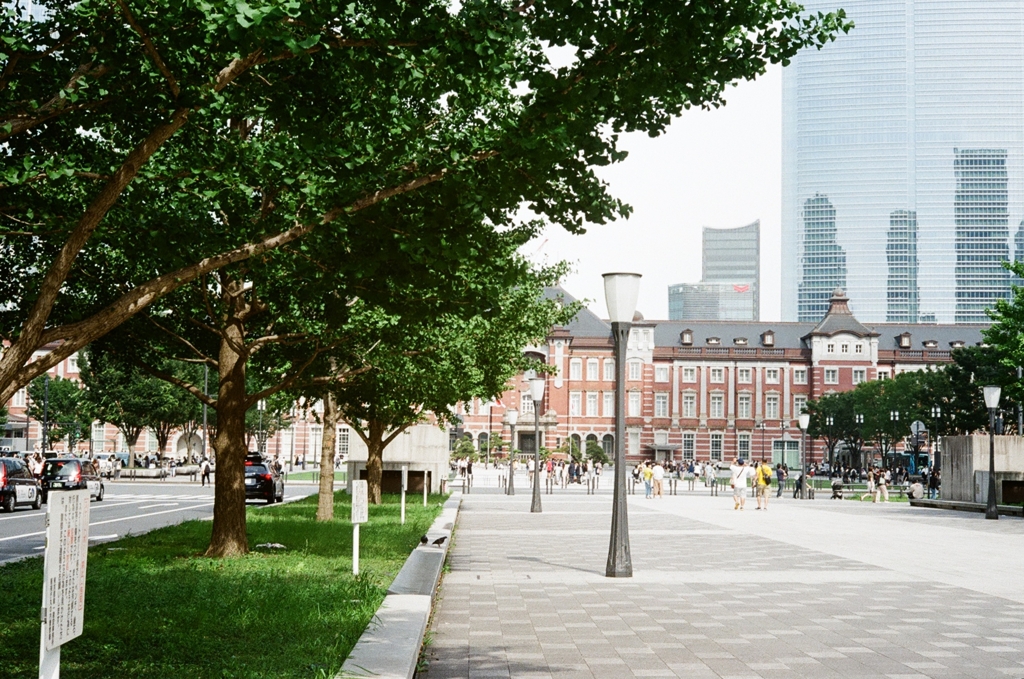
(808, 589)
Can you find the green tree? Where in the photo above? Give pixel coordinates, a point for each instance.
(595, 453)
(119, 393)
(825, 421)
(65, 407)
(116, 119)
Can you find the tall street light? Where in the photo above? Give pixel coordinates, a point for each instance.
(829, 421)
(894, 417)
(261, 440)
(511, 416)
(804, 419)
(936, 416)
(537, 394)
(620, 292)
(992, 393)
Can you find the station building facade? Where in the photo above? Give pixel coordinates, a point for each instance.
(706, 390)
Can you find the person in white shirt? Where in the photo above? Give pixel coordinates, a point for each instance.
(741, 471)
(658, 475)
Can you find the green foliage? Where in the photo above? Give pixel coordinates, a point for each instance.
(595, 453)
(154, 609)
(465, 448)
(131, 137)
(67, 411)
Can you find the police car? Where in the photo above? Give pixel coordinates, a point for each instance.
(18, 486)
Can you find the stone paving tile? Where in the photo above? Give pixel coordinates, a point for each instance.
(525, 596)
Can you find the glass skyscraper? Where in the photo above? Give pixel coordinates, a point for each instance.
(731, 283)
(903, 161)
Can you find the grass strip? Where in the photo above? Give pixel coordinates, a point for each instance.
(155, 607)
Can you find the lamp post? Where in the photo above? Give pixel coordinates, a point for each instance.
(261, 405)
(46, 409)
(992, 393)
(829, 421)
(762, 425)
(894, 417)
(537, 394)
(804, 419)
(511, 416)
(620, 292)
(936, 416)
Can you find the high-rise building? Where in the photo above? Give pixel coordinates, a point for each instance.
(730, 286)
(911, 129)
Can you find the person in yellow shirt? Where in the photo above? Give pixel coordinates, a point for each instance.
(764, 482)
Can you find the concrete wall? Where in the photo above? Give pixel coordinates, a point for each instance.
(965, 466)
(423, 447)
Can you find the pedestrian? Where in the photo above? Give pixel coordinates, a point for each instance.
(871, 485)
(658, 476)
(933, 485)
(764, 483)
(881, 487)
(648, 475)
(740, 473)
(691, 478)
(117, 468)
(204, 468)
(780, 477)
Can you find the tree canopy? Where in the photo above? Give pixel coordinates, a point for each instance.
(118, 118)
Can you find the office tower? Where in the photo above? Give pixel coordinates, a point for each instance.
(901, 253)
(730, 286)
(912, 127)
(824, 262)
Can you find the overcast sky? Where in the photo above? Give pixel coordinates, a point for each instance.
(718, 168)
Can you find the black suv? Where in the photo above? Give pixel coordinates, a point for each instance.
(71, 473)
(262, 480)
(18, 486)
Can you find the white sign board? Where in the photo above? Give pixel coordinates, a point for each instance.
(67, 551)
(360, 502)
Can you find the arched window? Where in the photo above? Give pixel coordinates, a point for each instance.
(608, 443)
(576, 444)
(482, 441)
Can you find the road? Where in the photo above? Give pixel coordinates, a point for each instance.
(128, 507)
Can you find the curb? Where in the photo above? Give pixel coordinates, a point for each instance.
(390, 646)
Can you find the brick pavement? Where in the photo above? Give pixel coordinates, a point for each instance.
(818, 589)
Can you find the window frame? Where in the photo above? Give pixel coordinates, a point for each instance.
(661, 404)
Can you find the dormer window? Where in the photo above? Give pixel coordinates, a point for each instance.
(903, 340)
(686, 338)
(740, 341)
(714, 341)
(768, 338)
(931, 344)
(956, 344)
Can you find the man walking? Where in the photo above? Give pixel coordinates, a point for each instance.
(740, 472)
(764, 482)
(658, 476)
(204, 467)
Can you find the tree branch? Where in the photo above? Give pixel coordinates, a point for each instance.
(150, 48)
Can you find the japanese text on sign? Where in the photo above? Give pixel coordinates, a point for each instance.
(360, 502)
(67, 552)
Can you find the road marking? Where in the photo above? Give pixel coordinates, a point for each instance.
(165, 504)
(112, 536)
(100, 523)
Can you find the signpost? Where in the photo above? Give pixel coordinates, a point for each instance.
(64, 561)
(360, 514)
(405, 487)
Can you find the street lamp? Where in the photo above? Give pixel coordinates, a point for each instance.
(936, 416)
(894, 416)
(859, 419)
(261, 440)
(537, 394)
(829, 421)
(992, 393)
(762, 425)
(620, 292)
(805, 420)
(511, 416)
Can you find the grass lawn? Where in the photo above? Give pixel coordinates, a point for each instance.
(154, 607)
(339, 476)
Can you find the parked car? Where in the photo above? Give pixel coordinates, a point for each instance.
(262, 481)
(18, 486)
(72, 473)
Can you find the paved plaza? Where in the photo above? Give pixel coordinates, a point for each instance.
(817, 588)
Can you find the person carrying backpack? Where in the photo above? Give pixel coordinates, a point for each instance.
(764, 482)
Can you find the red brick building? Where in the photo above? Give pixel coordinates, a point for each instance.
(708, 390)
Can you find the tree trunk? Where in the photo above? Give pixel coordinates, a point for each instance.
(374, 460)
(229, 536)
(325, 500)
